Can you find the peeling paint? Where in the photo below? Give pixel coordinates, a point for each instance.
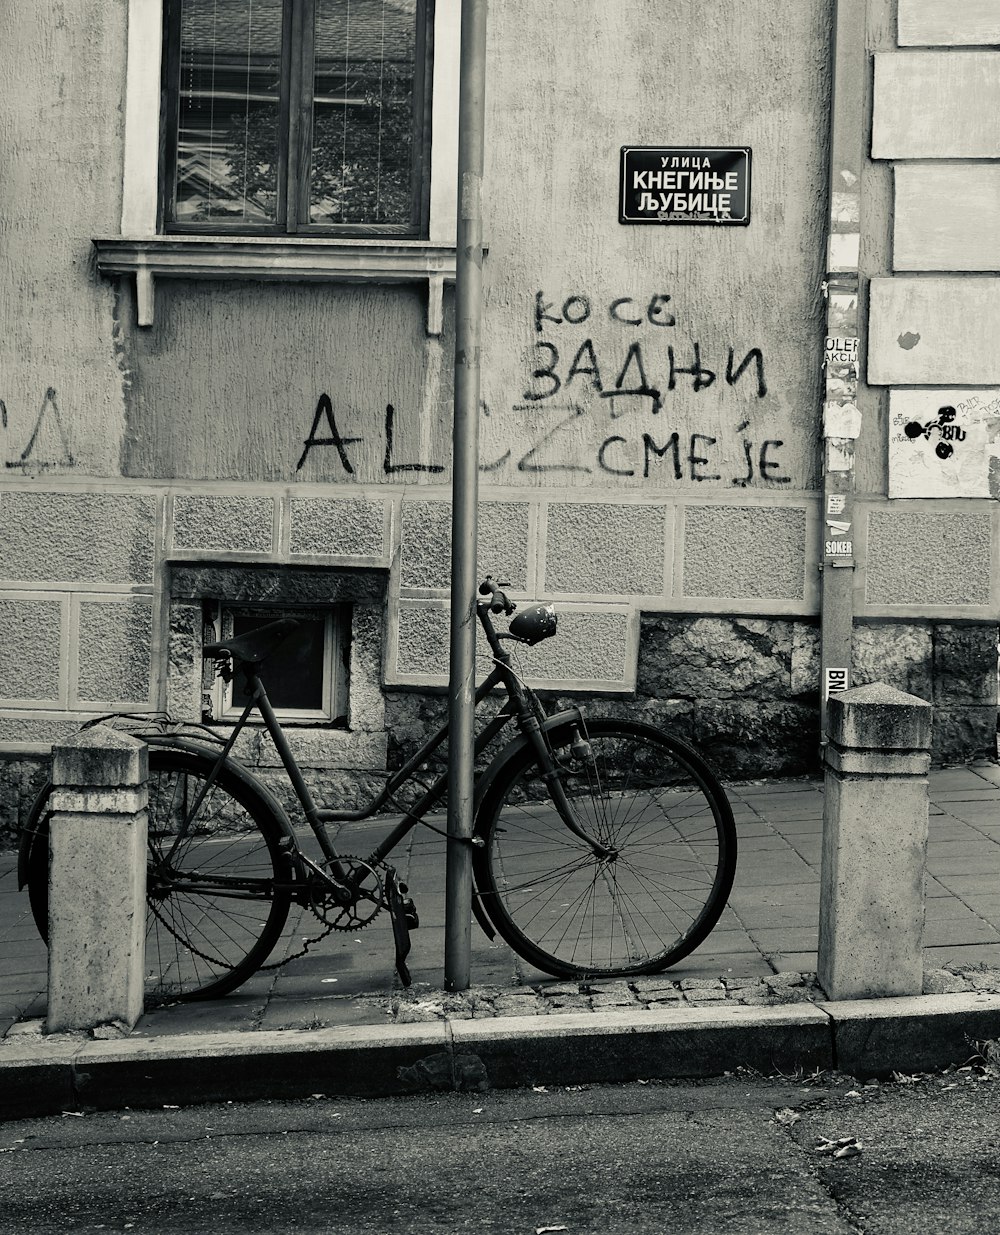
(908, 340)
(845, 207)
(839, 454)
(994, 478)
(841, 420)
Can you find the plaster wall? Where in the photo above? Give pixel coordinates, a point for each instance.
(61, 375)
(580, 307)
(228, 382)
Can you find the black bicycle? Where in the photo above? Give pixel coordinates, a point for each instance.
(601, 847)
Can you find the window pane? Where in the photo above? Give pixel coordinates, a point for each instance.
(227, 141)
(363, 100)
(293, 674)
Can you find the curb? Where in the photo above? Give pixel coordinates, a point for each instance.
(863, 1038)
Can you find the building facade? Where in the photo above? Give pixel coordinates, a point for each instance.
(227, 243)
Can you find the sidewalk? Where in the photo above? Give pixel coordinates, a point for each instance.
(761, 956)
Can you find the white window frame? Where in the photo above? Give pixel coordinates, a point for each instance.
(143, 252)
(334, 685)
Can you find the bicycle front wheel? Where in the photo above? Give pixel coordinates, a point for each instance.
(650, 800)
(218, 884)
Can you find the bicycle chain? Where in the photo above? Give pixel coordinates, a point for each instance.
(351, 924)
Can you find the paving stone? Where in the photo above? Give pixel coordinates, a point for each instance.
(517, 1005)
(667, 994)
(759, 997)
(567, 1003)
(647, 986)
(708, 994)
(35, 1025)
(611, 986)
(409, 1014)
(207, 1017)
(985, 981)
(799, 994)
(781, 981)
(941, 982)
(625, 999)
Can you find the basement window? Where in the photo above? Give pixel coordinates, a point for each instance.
(306, 678)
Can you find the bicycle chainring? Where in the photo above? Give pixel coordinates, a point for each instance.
(368, 881)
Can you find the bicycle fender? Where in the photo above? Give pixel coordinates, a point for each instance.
(498, 765)
(251, 783)
(28, 835)
(514, 748)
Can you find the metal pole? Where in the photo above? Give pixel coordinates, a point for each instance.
(465, 496)
(841, 418)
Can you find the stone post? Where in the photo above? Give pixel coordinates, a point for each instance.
(97, 880)
(871, 917)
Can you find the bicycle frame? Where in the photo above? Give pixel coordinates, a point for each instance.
(520, 707)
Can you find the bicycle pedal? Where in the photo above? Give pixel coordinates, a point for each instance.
(410, 913)
(396, 906)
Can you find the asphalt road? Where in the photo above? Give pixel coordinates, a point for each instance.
(728, 1156)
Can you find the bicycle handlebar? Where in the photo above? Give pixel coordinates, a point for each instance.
(498, 602)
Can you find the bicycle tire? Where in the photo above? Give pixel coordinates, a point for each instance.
(653, 800)
(198, 945)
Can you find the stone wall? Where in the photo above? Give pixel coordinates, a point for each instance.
(20, 781)
(745, 690)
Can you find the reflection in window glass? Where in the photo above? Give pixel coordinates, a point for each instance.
(227, 142)
(294, 673)
(362, 138)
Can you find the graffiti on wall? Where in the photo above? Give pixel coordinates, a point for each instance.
(47, 445)
(944, 426)
(608, 390)
(944, 443)
(324, 432)
(614, 391)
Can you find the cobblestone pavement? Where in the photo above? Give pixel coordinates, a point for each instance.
(543, 1000)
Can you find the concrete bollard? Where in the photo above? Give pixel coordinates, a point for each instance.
(97, 880)
(871, 919)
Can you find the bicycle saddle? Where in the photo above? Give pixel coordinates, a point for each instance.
(254, 647)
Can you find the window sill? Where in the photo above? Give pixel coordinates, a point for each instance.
(289, 258)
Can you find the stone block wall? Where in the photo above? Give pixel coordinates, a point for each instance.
(78, 608)
(934, 305)
(745, 691)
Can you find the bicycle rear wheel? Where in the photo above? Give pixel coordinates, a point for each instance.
(652, 801)
(218, 884)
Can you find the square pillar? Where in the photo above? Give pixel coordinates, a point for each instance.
(97, 880)
(874, 844)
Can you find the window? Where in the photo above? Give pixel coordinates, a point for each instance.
(306, 677)
(297, 117)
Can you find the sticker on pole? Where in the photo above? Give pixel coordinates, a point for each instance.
(835, 681)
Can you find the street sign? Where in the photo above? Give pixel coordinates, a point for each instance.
(685, 184)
